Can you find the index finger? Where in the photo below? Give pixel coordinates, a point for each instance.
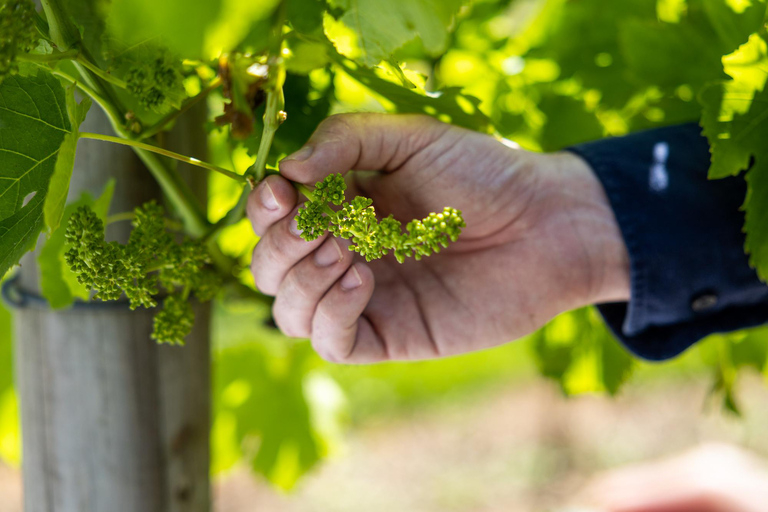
(361, 141)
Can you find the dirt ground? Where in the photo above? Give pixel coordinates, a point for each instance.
(519, 449)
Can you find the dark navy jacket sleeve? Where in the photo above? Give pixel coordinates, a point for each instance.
(689, 274)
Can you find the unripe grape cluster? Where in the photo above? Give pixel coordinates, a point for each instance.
(18, 33)
(371, 238)
(151, 259)
(157, 83)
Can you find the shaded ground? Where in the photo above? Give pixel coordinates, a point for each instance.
(521, 449)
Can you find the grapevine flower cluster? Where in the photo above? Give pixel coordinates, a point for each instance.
(151, 259)
(157, 83)
(18, 33)
(371, 238)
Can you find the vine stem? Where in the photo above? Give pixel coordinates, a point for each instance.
(272, 120)
(120, 217)
(161, 151)
(74, 55)
(49, 57)
(105, 105)
(65, 35)
(96, 70)
(275, 102)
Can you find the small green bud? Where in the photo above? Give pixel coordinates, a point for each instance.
(371, 238)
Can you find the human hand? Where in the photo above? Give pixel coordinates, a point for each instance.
(540, 239)
(713, 478)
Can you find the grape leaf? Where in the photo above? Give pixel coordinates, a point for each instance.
(756, 224)
(181, 24)
(191, 29)
(58, 187)
(380, 28)
(305, 15)
(735, 120)
(448, 105)
(733, 27)
(58, 284)
(563, 113)
(654, 51)
(89, 17)
(576, 350)
(584, 39)
(33, 125)
(268, 404)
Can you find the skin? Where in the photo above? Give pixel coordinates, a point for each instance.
(712, 478)
(541, 239)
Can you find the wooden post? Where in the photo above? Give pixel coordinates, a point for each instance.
(112, 422)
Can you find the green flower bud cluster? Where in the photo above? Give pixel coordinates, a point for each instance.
(18, 33)
(158, 83)
(174, 321)
(371, 238)
(152, 258)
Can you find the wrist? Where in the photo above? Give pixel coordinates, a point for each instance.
(603, 264)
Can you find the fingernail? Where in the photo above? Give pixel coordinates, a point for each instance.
(294, 227)
(328, 254)
(301, 155)
(351, 279)
(268, 198)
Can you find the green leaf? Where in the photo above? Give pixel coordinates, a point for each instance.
(371, 30)
(576, 350)
(732, 26)
(735, 120)
(616, 364)
(180, 24)
(756, 225)
(89, 17)
(563, 113)
(198, 30)
(654, 52)
(305, 15)
(448, 105)
(58, 283)
(58, 187)
(255, 398)
(33, 125)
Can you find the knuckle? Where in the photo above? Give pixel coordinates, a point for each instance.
(260, 270)
(279, 247)
(326, 313)
(337, 124)
(251, 209)
(288, 320)
(297, 286)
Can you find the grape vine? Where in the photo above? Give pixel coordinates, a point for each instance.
(18, 33)
(142, 88)
(152, 258)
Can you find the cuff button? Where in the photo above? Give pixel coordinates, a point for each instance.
(703, 302)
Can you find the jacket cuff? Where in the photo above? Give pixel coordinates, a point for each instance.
(689, 274)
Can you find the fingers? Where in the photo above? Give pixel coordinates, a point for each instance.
(363, 142)
(339, 333)
(270, 201)
(278, 251)
(306, 283)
